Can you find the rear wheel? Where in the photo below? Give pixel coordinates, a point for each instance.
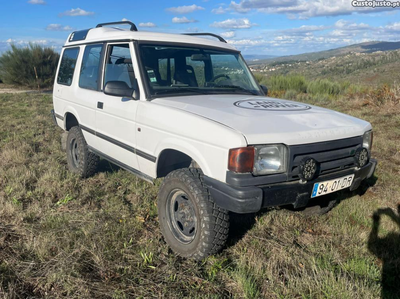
(80, 160)
(191, 223)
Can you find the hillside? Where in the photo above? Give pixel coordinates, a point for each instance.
(368, 47)
(370, 67)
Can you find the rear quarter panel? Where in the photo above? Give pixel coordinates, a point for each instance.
(75, 100)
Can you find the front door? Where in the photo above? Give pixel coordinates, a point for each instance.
(115, 116)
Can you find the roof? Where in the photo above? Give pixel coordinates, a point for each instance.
(112, 33)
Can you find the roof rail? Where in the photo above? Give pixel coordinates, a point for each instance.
(133, 26)
(209, 34)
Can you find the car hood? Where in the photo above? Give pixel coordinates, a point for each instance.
(267, 120)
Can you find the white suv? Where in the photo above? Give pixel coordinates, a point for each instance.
(188, 109)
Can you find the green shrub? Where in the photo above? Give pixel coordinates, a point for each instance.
(291, 82)
(17, 66)
(291, 94)
(259, 77)
(323, 86)
(356, 88)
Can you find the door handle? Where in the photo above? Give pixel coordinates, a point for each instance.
(100, 105)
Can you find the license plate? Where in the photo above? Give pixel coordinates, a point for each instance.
(323, 188)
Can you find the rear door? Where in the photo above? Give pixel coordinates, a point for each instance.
(115, 116)
(87, 90)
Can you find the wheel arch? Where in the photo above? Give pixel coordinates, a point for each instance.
(71, 119)
(170, 159)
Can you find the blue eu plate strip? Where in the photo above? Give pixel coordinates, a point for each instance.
(314, 193)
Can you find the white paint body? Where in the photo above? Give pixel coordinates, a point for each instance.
(203, 127)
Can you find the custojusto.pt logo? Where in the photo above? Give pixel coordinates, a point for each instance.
(375, 4)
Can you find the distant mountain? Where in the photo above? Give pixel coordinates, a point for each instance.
(369, 47)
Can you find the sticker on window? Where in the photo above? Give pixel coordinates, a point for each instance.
(152, 76)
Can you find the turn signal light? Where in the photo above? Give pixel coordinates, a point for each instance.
(372, 141)
(241, 159)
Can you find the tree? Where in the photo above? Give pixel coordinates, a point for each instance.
(30, 66)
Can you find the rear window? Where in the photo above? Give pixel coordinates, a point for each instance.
(67, 66)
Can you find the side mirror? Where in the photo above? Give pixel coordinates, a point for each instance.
(264, 89)
(118, 89)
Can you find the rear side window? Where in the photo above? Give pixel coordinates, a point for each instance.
(90, 67)
(67, 66)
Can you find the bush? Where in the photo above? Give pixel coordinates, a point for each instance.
(384, 94)
(291, 94)
(323, 86)
(259, 77)
(17, 66)
(292, 82)
(296, 87)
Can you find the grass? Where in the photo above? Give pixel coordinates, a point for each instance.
(65, 237)
(291, 85)
(298, 87)
(294, 82)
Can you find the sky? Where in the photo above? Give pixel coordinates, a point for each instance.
(257, 27)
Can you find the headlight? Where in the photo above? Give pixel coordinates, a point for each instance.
(367, 140)
(270, 159)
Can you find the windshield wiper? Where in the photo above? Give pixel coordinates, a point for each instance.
(238, 88)
(180, 89)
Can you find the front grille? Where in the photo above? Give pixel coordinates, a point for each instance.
(331, 155)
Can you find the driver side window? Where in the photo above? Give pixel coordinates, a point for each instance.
(118, 65)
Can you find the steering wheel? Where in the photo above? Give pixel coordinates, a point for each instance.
(219, 76)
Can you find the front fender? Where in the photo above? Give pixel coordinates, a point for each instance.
(185, 148)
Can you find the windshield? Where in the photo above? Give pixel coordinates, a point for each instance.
(175, 70)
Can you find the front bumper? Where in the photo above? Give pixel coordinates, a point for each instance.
(244, 200)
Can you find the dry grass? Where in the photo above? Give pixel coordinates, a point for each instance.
(61, 236)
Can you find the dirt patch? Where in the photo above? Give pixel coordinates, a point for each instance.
(13, 91)
(19, 91)
(6, 88)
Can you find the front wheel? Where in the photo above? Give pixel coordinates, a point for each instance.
(191, 223)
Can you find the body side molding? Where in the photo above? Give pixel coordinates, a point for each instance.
(120, 144)
(122, 165)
